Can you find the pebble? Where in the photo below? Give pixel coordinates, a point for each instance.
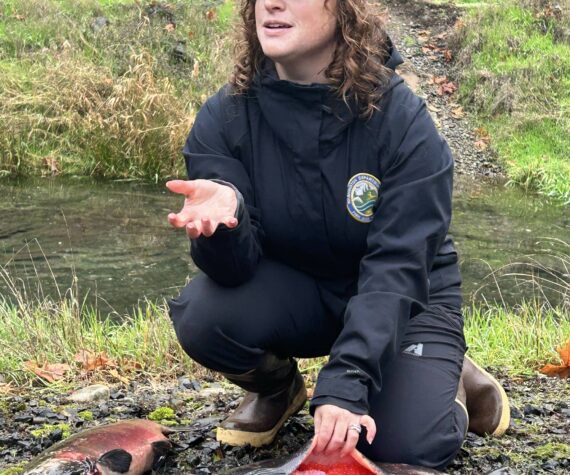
(96, 392)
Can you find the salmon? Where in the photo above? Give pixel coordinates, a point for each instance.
(305, 462)
(129, 447)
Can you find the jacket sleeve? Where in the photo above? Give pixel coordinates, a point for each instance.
(229, 256)
(409, 224)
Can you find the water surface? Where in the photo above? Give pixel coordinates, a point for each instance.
(115, 240)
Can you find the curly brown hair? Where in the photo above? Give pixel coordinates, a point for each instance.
(356, 73)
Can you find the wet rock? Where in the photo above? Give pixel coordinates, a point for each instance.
(550, 465)
(96, 392)
(529, 410)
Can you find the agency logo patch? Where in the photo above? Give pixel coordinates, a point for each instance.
(361, 196)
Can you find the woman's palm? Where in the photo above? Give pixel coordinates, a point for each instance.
(207, 204)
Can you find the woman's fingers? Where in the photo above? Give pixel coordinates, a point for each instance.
(183, 187)
(194, 229)
(323, 432)
(370, 425)
(230, 222)
(352, 437)
(337, 441)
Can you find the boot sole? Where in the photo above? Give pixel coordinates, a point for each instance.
(259, 439)
(505, 407)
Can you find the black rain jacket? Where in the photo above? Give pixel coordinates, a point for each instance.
(291, 150)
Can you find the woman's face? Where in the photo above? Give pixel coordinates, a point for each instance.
(294, 31)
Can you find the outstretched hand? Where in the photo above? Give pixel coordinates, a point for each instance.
(207, 204)
(333, 433)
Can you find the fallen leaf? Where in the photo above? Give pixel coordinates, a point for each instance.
(423, 36)
(433, 58)
(170, 27)
(49, 372)
(19, 17)
(446, 88)
(432, 107)
(563, 370)
(438, 79)
(90, 361)
(448, 55)
(116, 375)
(211, 14)
(458, 112)
(481, 145)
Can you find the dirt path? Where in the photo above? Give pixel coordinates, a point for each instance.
(421, 32)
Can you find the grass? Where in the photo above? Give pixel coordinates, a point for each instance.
(142, 344)
(516, 340)
(115, 100)
(513, 62)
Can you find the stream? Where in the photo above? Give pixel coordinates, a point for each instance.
(110, 242)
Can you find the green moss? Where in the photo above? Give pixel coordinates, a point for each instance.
(551, 450)
(86, 415)
(14, 469)
(162, 414)
(48, 429)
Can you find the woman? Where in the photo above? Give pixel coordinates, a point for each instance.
(318, 203)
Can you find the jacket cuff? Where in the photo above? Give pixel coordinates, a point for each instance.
(348, 393)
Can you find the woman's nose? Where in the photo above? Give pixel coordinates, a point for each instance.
(271, 5)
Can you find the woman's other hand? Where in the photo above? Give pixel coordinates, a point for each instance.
(333, 433)
(207, 204)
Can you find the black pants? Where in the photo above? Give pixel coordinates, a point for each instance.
(289, 313)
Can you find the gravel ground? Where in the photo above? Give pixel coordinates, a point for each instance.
(421, 32)
(536, 442)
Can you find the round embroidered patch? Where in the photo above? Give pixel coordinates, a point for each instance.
(361, 196)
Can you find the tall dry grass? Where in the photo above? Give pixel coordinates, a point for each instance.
(114, 102)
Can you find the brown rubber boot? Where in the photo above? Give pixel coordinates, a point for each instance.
(275, 391)
(486, 401)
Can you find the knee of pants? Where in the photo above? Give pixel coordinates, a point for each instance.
(414, 446)
(205, 322)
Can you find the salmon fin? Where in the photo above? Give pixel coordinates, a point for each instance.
(160, 449)
(117, 460)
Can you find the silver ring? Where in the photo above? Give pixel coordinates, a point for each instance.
(356, 427)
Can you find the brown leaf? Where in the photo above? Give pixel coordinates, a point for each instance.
(563, 370)
(446, 88)
(90, 361)
(423, 35)
(211, 14)
(448, 55)
(170, 27)
(431, 57)
(458, 112)
(19, 17)
(481, 145)
(438, 79)
(49, 372)
(116, 375)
